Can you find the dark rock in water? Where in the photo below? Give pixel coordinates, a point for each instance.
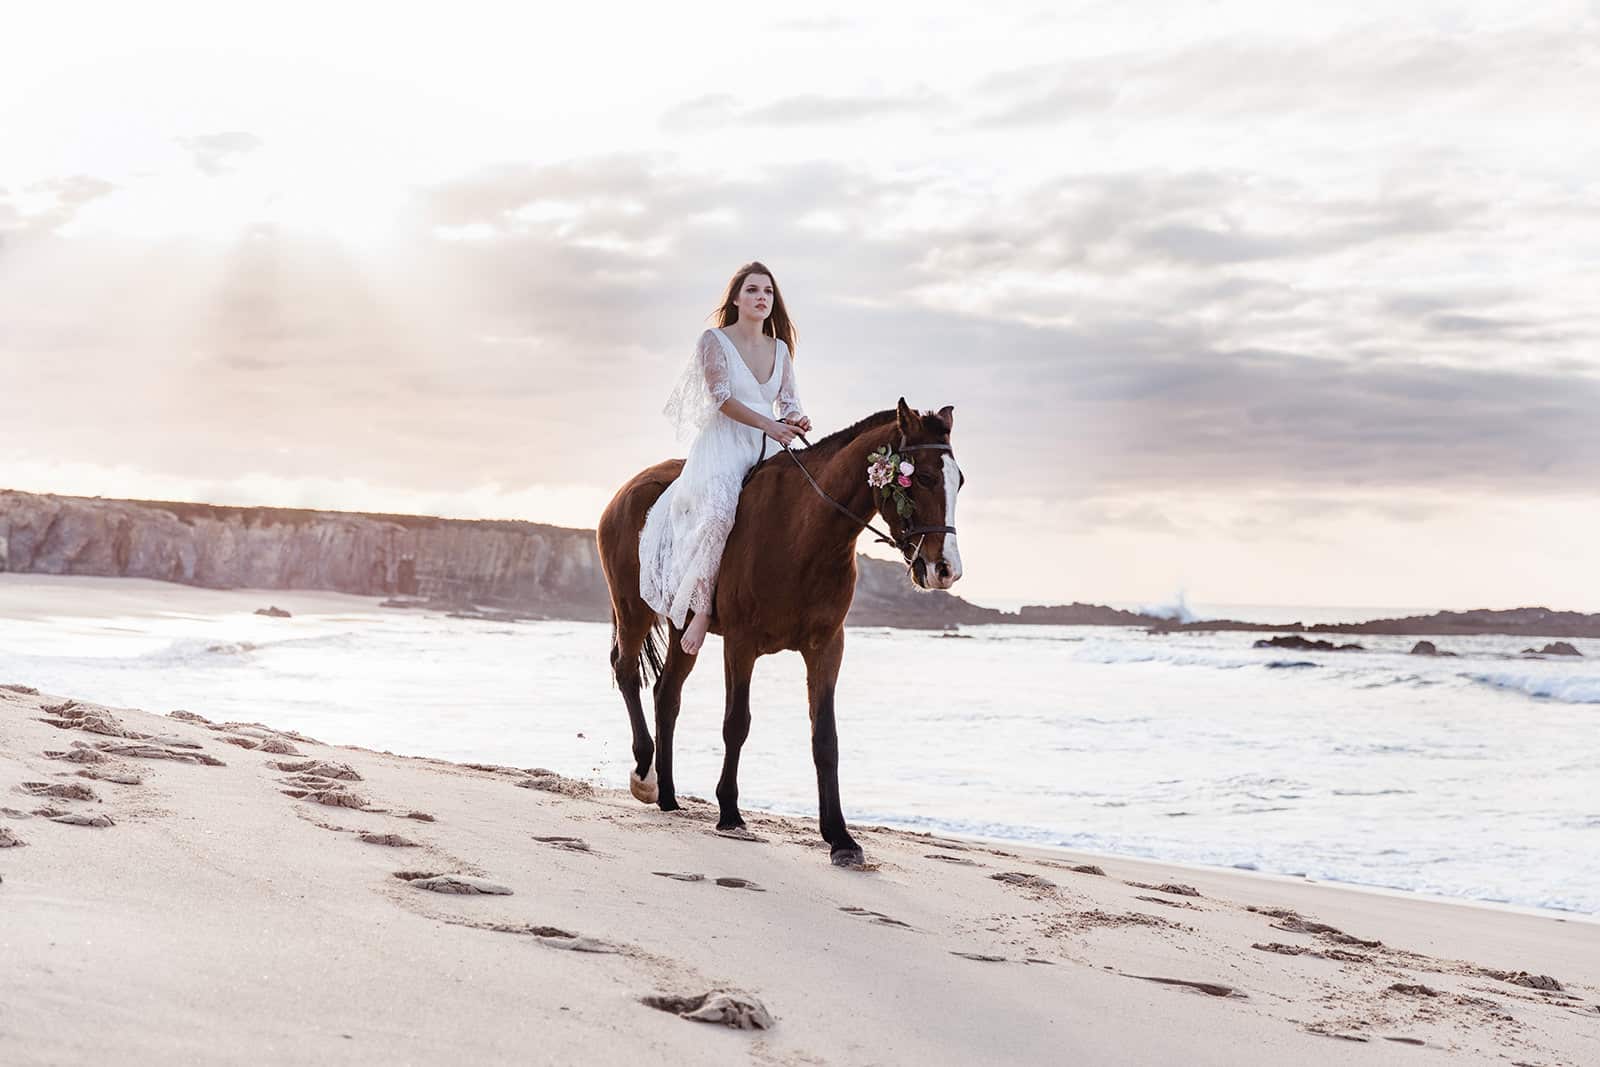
(1306, 645)
(1555, 648)
(274, 612)
(1428, 648)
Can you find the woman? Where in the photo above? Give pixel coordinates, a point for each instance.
(741, 368)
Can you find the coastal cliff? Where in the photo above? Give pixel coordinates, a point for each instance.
(527, 567)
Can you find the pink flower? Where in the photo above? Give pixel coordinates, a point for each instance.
(904, 480)
(906, 467)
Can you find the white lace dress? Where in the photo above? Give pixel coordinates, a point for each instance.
(680, 547)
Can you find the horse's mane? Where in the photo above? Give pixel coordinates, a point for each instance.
(827, 446)
(839, 438)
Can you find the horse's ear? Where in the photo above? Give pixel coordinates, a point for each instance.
(905, 417)
(948, 414)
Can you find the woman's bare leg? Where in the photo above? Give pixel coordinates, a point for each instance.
(695, 635)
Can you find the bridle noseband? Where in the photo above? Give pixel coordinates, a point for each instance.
(902, 543)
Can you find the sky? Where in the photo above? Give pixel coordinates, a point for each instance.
(1260, 304)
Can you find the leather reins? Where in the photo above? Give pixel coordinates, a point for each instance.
(902, 543)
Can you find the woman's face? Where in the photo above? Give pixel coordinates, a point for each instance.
(754, 299)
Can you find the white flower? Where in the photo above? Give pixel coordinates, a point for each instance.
(906, 466)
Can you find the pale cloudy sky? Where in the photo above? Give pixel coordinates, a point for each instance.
(1272, 304)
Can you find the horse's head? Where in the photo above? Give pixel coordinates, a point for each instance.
(927, 536)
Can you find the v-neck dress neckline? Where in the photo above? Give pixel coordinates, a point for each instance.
(775, 359)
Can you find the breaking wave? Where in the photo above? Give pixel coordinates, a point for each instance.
(1565, 687)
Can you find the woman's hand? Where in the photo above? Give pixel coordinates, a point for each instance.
(799, 422)
(782, 432)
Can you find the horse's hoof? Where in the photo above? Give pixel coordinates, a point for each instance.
(849, 857)
(643, 789)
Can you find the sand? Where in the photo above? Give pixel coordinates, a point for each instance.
(234, 894)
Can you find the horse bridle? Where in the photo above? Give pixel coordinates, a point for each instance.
(902, 543)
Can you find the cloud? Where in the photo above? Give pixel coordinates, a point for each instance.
(715, 110)
(1353, 73)
(46, 207)
(528, 331)
(215, 154)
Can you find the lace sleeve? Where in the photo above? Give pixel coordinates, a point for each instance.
(788, 402)
(701, 389)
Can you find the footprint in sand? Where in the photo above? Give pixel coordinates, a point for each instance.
(118, 777)
(1173, 888)
(9, 839)
(78, 753)
(1210, 989)
(979, 956)
(728, 1007)
(318, 768)
(78, 818)
(960, 860)
(739, 883)
(876, 916)
(549, 936)
(390, 840)
(139, 750)
(64, 791)
(334, 798)
(679, 877)
(739, 833)
(571, 844)
(459, 884)
(550, 782)
(1169, 903)
(1024, 880)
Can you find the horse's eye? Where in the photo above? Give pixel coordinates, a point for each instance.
(925, 478)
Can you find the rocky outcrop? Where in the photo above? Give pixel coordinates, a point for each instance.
(1306, 645)
(1428, 648)
(1554, 648)
(524, 569)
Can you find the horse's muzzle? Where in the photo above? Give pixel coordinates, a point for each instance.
(938, 575)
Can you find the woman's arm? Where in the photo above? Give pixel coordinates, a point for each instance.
(738, 411)
(788, 402)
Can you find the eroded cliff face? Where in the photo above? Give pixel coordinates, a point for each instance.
(547, 570)
(530, 567)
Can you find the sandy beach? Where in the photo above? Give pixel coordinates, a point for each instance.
(178, 890)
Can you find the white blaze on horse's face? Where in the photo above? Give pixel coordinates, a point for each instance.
(952, 554)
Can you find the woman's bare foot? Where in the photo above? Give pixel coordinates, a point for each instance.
(695, 635)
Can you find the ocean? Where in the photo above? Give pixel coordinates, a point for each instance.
(1471, 777)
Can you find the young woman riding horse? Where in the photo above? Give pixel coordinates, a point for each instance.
(785, 579)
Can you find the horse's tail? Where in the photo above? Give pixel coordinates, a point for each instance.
(651, 657)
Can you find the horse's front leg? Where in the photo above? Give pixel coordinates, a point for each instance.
(822, 672)
(668, 698)
(737, 665)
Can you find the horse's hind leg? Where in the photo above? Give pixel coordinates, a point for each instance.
(630, 643)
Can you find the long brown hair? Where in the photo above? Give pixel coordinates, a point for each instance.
(778, 323)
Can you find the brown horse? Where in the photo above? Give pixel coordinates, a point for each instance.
(787, 577)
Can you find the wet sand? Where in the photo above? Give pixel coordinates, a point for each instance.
(177, 889)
